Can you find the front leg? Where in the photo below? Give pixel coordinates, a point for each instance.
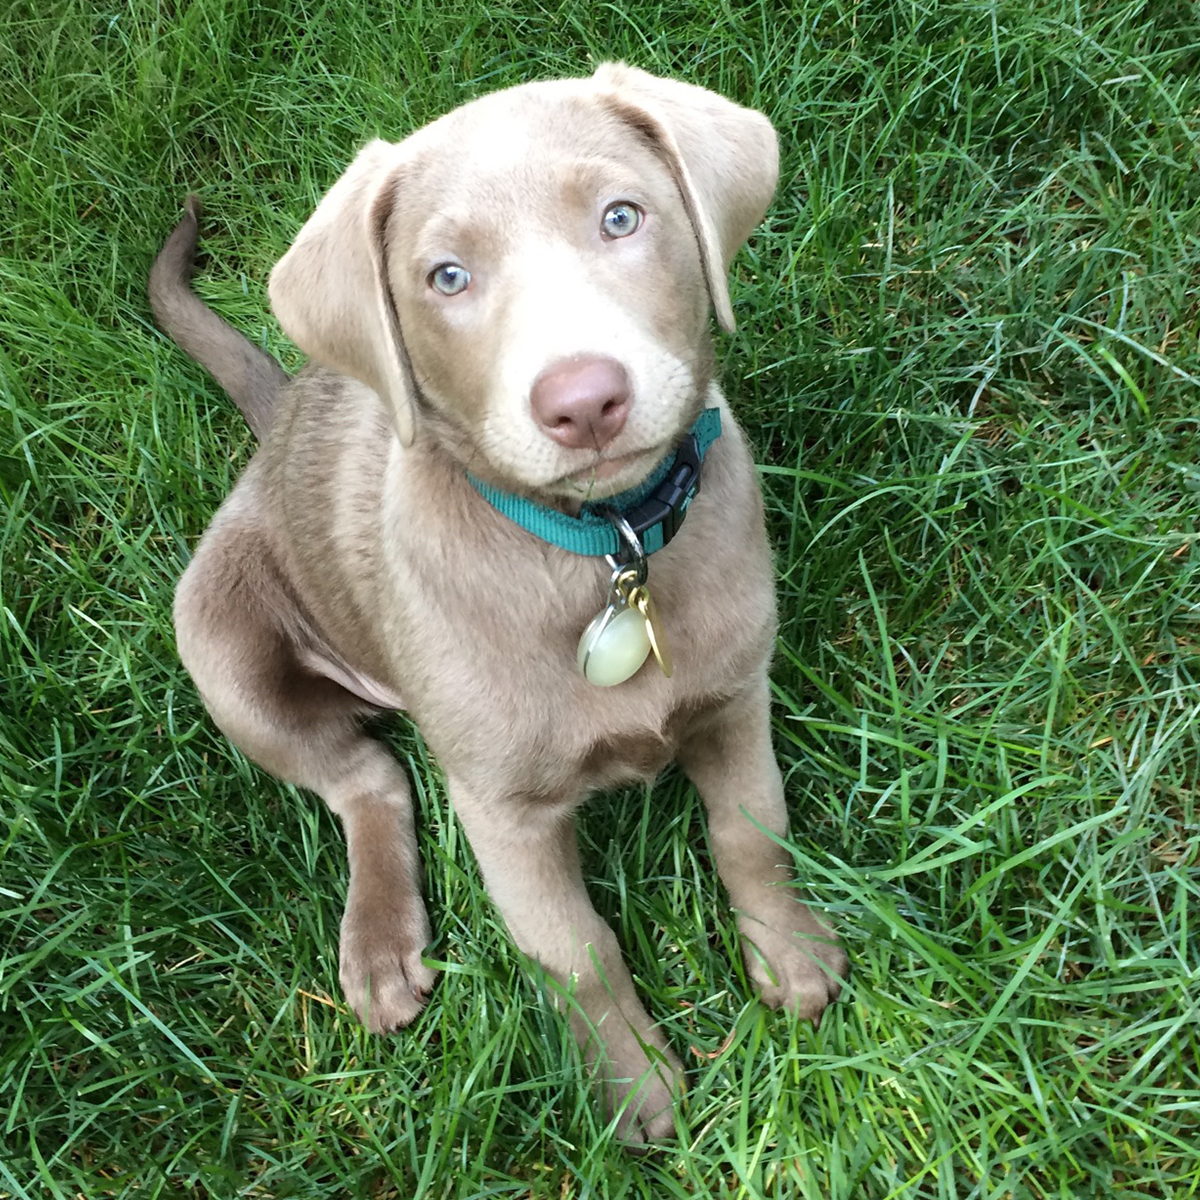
(530, 863)
(790, 953)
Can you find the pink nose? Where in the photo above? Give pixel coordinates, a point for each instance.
(581, 402)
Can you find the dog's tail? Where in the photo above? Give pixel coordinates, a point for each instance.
(250, 375)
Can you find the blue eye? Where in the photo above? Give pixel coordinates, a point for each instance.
(449, 279)
(620, 219)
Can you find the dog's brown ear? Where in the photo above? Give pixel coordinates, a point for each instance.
(331, 293)
(725, 160)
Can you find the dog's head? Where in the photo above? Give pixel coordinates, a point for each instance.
(528, 279)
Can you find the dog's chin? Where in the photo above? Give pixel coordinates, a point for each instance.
(606, 477)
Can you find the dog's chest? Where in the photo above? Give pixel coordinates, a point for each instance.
(500, 693)
(486, 621)
(625, 752)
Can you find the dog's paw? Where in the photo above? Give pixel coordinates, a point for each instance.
(641, 1091)
(794, 960)
(383, 977)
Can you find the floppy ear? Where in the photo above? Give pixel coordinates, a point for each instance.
(725, 160)
(331, 293)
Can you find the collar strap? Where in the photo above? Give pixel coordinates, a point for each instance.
(654, 509)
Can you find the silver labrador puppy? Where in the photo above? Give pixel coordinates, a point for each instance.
(510, 310)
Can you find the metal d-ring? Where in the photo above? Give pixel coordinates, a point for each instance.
(634, 555)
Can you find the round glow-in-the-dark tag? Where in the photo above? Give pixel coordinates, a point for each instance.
(613, 646)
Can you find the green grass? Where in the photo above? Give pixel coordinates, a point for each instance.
(968, 359)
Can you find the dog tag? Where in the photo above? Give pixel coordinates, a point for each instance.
(614, 645)
(640, 599)
(616, 641)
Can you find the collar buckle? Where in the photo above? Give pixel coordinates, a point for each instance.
(667, 505)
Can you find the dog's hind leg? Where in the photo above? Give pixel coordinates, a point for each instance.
(236, 625)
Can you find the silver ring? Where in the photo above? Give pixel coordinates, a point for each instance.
(633, 544)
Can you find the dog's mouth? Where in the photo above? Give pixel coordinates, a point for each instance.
(607, 476)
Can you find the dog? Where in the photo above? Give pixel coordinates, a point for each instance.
(507, 316)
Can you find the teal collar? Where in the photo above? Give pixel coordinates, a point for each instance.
(654, 509)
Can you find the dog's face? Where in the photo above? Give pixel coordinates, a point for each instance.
(527, 280)
(569, 241)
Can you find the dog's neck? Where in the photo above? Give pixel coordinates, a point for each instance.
(653, 511)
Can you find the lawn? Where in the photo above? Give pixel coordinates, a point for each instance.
(968, 361)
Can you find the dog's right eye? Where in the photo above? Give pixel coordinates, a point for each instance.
(449, 279)
(620, 220)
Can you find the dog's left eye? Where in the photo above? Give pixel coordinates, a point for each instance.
(449, 279)
(620, 220)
